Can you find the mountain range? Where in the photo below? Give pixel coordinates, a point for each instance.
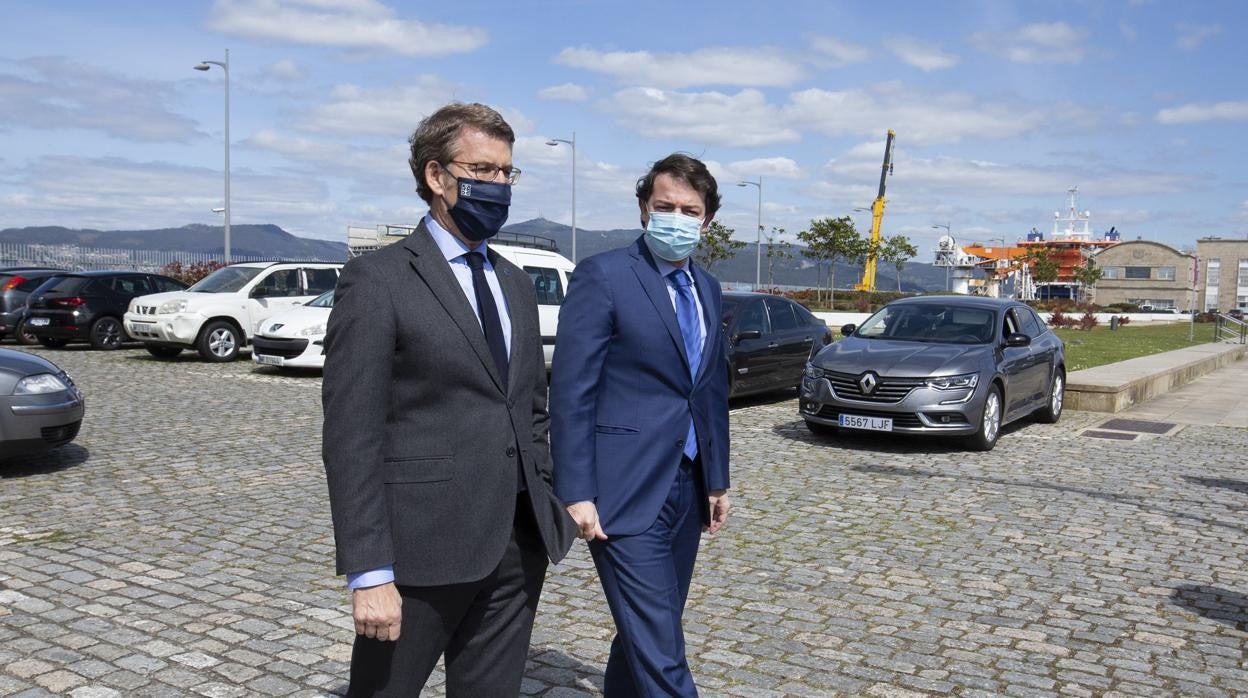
(271, 241)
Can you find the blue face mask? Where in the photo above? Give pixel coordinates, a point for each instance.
(481, 209)
(673, 236)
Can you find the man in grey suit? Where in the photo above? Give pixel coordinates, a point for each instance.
(435, 436)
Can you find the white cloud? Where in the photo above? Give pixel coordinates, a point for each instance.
(57, 93)
(708, 66)
(121, 193)
(567, 92)
(388, 111)
(1197, 113)
(336, 159)
(841, 53)
(920, 54)
(284, 70)
(916, 116)
(1044, 42)
(744, 119)
(778, 167)
(364, 25)
(1191, 36)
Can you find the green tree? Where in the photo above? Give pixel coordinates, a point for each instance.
(1087, 275)
(1043, 269)
(716, 245)
(897, 250)
(829, 240)
(776, 250)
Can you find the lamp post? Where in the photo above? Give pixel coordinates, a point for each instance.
(948, 260)
(758, 249)
(555, 142)
(205, 65)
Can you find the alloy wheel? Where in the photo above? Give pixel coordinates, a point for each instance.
(221, 342)
(992, 417)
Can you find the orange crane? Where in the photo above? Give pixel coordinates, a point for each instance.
(877, 217)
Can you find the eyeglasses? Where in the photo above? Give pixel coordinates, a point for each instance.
(488, 171)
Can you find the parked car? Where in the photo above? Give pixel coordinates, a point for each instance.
(87, 306)
(294, 338)
(220, 314)
(942, 365)
(770, 338)
(40, 407)
(15, 287)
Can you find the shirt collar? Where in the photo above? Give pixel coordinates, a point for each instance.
(666, 268)
(450, 245)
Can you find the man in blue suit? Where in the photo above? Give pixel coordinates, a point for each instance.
(639, 422)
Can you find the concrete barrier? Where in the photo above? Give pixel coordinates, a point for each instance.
(1115, 387)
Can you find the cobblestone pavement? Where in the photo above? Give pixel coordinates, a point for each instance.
(182, 547)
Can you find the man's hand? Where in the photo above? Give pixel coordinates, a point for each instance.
(719, 510)
(377, 611)
(585, 514)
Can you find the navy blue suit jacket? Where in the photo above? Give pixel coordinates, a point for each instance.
(621, 394)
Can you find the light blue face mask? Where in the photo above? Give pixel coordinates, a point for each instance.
(672, 236)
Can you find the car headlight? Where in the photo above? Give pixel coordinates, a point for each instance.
(312, 331)
(40, 384)
(966, 380)
(178, 306)
(812, 372)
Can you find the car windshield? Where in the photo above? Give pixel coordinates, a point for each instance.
(226, 280)
(325, 300)
(930, 322)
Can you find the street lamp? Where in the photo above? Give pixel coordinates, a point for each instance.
(554, 142)
(758, 249)
(205, 65)
(948, 260)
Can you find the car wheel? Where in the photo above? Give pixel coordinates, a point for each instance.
(821, 429)
(23, 335)
(163, 352)
(1051, 412)
(52, 342)
(107, 333)
(989, 422)
(219, 342)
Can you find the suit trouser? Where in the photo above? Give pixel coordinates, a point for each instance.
(646, 581)
(482, 627)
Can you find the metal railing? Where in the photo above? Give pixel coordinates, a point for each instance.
(1229, 329)
(76, 258)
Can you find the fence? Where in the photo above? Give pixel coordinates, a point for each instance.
(75, 258)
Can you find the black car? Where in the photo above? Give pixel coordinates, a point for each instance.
(769, 340)
(88, 306)
(16, 285)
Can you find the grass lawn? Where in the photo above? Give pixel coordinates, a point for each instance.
(1101, 346)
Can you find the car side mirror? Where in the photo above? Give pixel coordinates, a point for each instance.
(847, 330)
(748, 334)
(259, 292)
(1017, 339)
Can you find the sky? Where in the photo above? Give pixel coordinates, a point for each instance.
(999, 108)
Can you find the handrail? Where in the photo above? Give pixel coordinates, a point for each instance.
(1229, 329)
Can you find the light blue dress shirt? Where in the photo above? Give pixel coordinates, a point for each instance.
(455, 250)
(665, 268)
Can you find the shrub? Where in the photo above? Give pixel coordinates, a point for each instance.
(1087, 321)
(1060, 320)
(189, 274)
(1123, 320)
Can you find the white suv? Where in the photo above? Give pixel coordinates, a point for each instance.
(219, 314)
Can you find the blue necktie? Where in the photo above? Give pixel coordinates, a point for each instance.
(490, 324)
(690, 327)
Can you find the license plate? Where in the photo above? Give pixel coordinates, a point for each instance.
(854, 421)
(144, 327)
(269, 360)
(39, 322)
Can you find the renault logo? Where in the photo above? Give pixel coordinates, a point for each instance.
(867, 383)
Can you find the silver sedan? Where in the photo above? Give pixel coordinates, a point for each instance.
(40, 407)
(940, 365)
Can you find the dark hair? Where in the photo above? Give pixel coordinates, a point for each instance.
(687, 168)
(436, 139)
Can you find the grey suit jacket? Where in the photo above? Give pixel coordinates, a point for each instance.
(421, 442)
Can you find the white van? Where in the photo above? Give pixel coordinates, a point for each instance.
(550, 272)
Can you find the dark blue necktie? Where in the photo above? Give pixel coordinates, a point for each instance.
(690, 328)
(488, 310)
